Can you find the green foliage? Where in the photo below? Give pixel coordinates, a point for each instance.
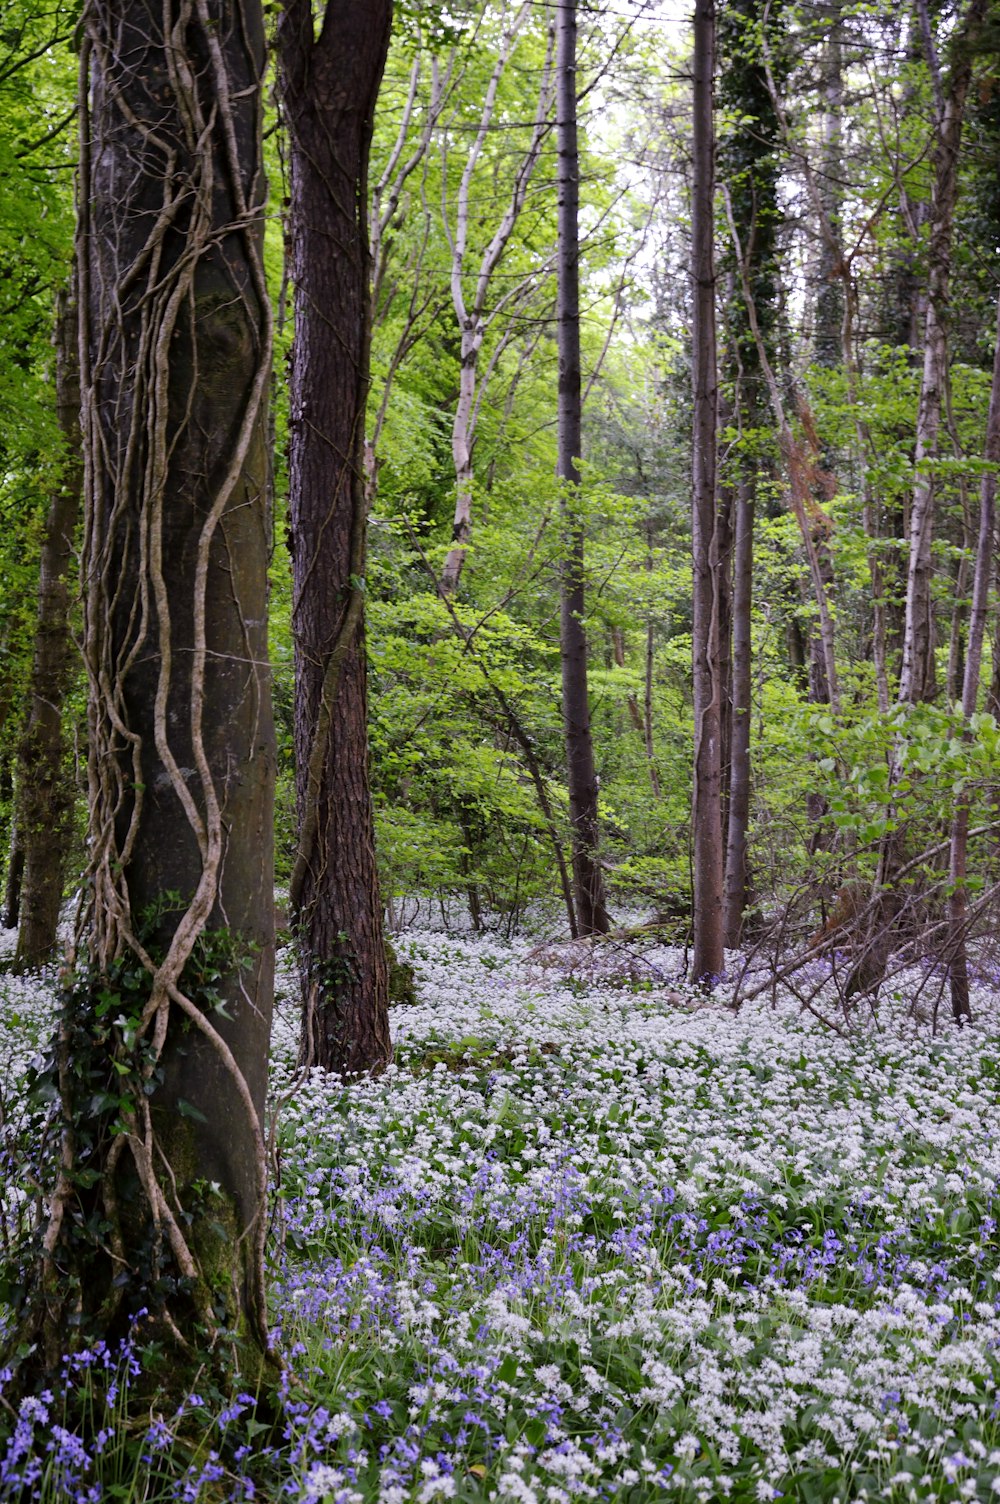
(905, 770)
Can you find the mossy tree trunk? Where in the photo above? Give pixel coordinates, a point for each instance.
(160, 1065)
(330, 75)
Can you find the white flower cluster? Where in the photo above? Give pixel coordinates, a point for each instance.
(621, 1236)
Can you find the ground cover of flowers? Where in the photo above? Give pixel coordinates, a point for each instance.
(589, 1240)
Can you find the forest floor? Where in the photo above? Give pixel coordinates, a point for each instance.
(589, 1238)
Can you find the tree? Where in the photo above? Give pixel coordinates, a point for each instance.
(958, 903)
(588, 884)
(749, 162)
(707, 961)
(473, 313)
(917, 676)
(329, 83)
(160, 1062)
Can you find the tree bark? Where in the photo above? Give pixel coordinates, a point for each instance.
(737, 872)
(46, 795)
(829, 306)
(978, 613)
(15, 877)
(329, 84)
(917, 680)
(654, 772)
(581, 775)
(708, 960)
(159, 1199)
(749, 164)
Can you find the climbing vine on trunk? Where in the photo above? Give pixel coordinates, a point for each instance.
(160, 1062)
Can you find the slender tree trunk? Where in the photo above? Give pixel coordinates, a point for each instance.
(472, 312)
(15, 876)
(588, 882)
(829, 306)
(993, 693)
(46, 795)
(461, 450)
(708, 960)
(724, 535)
(330, 76)
(955, 675)
(654, 773)
(159, 1198)
(917, 679)
(618, 650)
(749, 164)
(737, 881)
(978, 613)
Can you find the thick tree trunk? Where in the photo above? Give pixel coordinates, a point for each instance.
(588, 881)
(329, 82)
(707, 961)
(160, 1195)
(46, 795)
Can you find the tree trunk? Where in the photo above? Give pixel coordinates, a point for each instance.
(654, 774)
(829, 307)
(161, 1058)
(329, 83)
(472, 312)
(978, 612)
(588, 882)
(15, 877)
(737, 880)
(749, 164)
(46, 795)
(917, 673)
(707, 961)
(462, 433)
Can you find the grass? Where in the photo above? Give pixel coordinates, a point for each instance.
(582, 1242)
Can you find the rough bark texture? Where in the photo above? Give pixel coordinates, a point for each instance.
(329, 83)
(175, 364)
(46, 795)
(581, 775)
(707, 960)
